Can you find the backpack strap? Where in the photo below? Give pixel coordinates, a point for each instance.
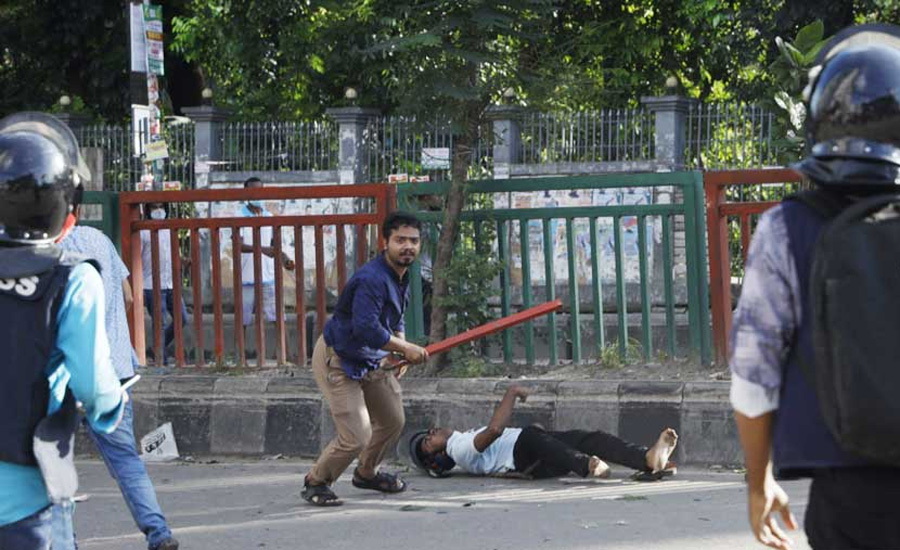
(827, 204)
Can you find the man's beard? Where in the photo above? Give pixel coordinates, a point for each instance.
(404, 260)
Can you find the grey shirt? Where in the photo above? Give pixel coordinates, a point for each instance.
(97, 246)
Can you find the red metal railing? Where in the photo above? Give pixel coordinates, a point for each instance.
(383, 197)
(718, 210)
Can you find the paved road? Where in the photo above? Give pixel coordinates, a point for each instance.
(247, 505)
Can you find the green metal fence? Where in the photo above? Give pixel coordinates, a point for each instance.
(108, 218)
(575, 232)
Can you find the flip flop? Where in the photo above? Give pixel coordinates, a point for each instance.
(646, 475)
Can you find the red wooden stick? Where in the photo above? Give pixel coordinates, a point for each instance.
(493, 326)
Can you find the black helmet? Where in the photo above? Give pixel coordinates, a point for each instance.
(853, 119)
(435, 464)
(41, 175)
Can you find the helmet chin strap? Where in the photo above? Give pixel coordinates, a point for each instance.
(68, 226)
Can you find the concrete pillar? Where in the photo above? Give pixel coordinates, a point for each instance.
(207, 139)
(507, 137)
(207, 150)
(671, 128)
(671, 139)
(352, 123)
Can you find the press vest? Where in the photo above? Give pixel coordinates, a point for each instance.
(802, 441)
(32, 285)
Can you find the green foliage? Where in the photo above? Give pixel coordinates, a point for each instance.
(790, 72)
(471, 275)
(78, 106)
(66, 47)
(274, 59)
(465, 364)
(611, 357)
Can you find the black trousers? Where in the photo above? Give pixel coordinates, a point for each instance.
(854, 508)
(554, 454)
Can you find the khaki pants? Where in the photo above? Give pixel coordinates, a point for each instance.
(367, 413)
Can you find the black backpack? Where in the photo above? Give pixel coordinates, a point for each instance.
(855, 298)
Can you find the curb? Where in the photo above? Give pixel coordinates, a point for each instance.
(254, 416)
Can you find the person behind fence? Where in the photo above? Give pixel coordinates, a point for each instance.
(533, 452)
(350, 366)
(158, 211)
(53, 301)
(814, 341)
(253, 208)
(118, 448)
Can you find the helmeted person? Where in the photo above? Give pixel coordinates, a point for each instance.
(819, 304)
(54, 344)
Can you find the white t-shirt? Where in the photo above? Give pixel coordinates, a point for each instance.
(496, 459)
(165, 259)
(248, 273)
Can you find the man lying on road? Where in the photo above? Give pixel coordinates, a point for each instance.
(534, 452)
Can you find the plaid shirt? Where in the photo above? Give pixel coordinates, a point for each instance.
(767, 316)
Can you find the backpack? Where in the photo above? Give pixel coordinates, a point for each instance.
(855, 301)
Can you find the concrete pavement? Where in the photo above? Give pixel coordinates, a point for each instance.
(241, 505)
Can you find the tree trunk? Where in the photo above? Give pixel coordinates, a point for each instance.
(453, 206)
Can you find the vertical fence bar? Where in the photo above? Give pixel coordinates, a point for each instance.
(668, 283)
(156, 293)
(361, 255)
(177, 298)
(550, 281)
(646, 342)
(597, 284)
(698, 314)
(745, 236)
(218, 329)
(341, 257)
(415, 321)
(280, 343)
(621, 301)
(719, 270)
(503, 255)
(300, 295)
(573, 291)
(259, 307)
(131, 253)
(526, 288)
(320, 281)
(238, 296)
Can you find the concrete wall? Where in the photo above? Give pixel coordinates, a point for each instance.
(256, 415)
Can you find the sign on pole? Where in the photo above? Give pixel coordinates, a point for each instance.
(436, 158)
(153, 26)
(138, 38)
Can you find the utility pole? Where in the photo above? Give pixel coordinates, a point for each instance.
(146, 47)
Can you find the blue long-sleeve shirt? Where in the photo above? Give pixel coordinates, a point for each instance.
(81, 361)
(368, 312)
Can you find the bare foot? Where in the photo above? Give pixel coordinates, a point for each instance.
(658, 455)
(598, 468)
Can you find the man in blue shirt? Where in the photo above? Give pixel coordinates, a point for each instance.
(365, 400)
(56, 305)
